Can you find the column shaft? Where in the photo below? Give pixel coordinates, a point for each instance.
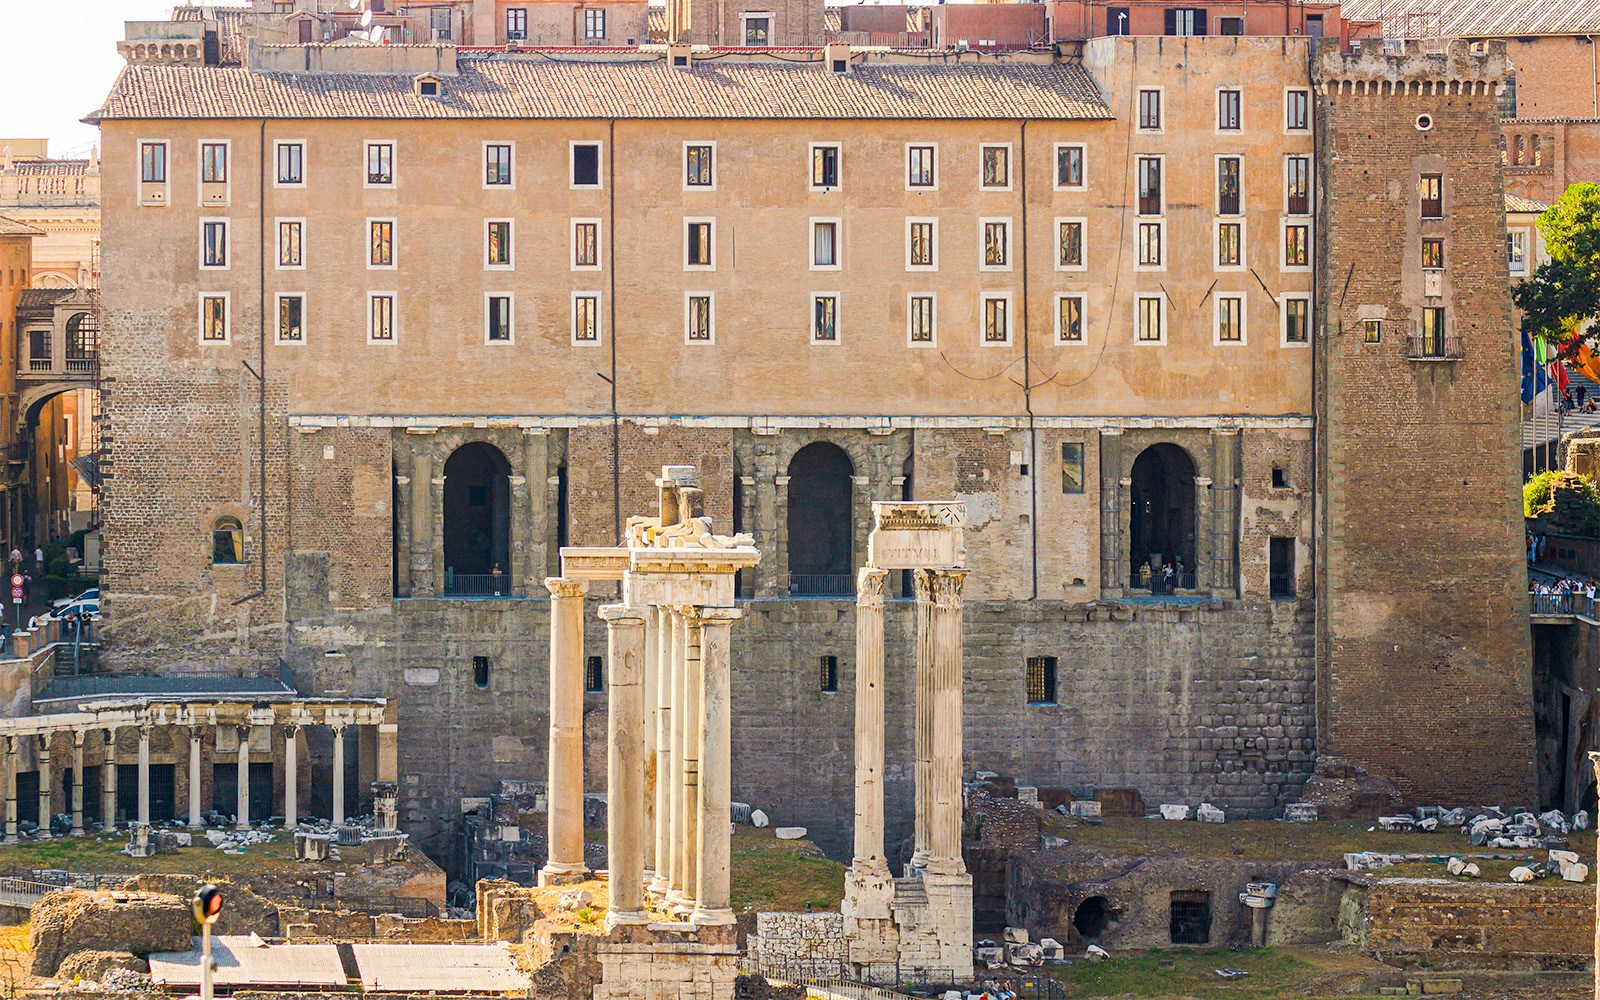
(663, 752)
(338, 775)
(565, 792)
(45, 789)
(194, 778)
(712, 895)
(944, 844)
(108, 780)
(291, 777)
(869, 721)
(680, 715)
(693, 717)
(923, 717)
(144, 775)
(625, 785)
(647, 686)
(242, 812)
(77, 782)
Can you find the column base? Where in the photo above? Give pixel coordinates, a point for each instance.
(947, 867)
(563, 874)
(241, 826)
(868, 891)
(711, 916)
(658, 886)
(77, 831)
(616, 918)
(195, 824)
(683, 909)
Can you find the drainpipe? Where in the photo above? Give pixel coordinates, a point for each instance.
(1027, 378)
(260, 372)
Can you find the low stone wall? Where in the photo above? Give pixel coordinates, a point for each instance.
(809, 942)
(345, 925)
(1548, 924)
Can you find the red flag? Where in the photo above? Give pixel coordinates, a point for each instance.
(1558, 373)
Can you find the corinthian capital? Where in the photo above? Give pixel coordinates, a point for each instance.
(560, 586)
(870, 583)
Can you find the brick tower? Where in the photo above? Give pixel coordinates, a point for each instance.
(1424, 670)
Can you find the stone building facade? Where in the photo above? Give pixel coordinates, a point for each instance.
(358, 441)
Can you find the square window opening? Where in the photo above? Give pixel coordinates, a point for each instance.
(594, 675)
(480, 672)
(1041, 680)
(1280, 569)
(829, 674)
(1190, 917)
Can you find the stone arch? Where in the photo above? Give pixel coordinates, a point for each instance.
(477, 518)
(820, 520)
(1162, 525)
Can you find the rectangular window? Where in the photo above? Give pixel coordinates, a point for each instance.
(380, 164)
(380, 318)
(920, 321)
(497, 244)
(1069, 318)
(585, 318)
(516, 24)
(1517, 250)
(291, 318)
(1280, 568)
(594, 675)
(921, 236)
(1229, 171)
(1430, 187)
(1231, 26)
(697, 166)
(497, 314)
(1230, 105)
(828, 679)
(380, 252)
(1070, 167)
(1297, 185)
(153, 162)
(586, 244)
(480, 672)
(1041, 680)
(586, 164)
(1230, 244)
(1372, 331)
(1433, 332)
(1433, 254)
(291, 164)
(825, 319)
(1117, 21)
(1297, 245)
(1185, 21)
(1150, 110)
(1150, 244)
(213, 163)
(996, 319)
(996, 244)
(996, 162)
(1190, 917)
(698, 319)
(1072, 467)
(824, 244)
(757, 31)
(920, 167)
(698, 245)
(1230, 319)
(1069, 245)
(214, 243)
(824, 167)
(291, 243)
(594, 24)
(1151, 200)
(214, 318)
(1152, 328)
(497, 164)
(1297, 111)
(1297, 320)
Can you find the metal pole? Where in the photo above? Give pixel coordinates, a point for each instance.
(205, 961)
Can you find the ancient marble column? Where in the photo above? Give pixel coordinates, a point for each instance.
(11, 787)
(195, 822)
(108, 780)
(625, 791)
(144, 775)
(712, 896)
(944, 831)
(565, 809)
(663, 753)
(77, 782)
(647, 687)
(922, 712)
(680, 715)
(693, 717)
(338, 773)
(869, 854)
(291, 777)
(242, 811)
(45, 811)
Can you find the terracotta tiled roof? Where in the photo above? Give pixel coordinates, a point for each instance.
(656, 22)
(11, 227)
(1480, 18)
(230, 28)
(636, 87)
(42, 298)
(1517, 203)
(831, 21)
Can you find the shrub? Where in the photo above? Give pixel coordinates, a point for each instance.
(1565, 502)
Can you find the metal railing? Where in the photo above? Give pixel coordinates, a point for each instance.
(478, 585)
(16, 888)
(874, 982)
(406, 907)
(821, 585)
(1155, 583)
(1424, 348)
(1562, 604)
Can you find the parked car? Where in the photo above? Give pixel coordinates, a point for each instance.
(92, 594)
(78, 605)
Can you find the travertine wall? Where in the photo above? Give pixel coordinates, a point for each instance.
(1546, 921)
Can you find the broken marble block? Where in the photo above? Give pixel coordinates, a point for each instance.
(1084, 807)
(1396, 823)
(1208, 813)
(1052, 950)
(1022, 953)
(311, 846)
(1554, 821)
(988, 953)
(1575, 872)
(739, 812)
(1455, 866)
(1174, 811)
(1522, 874)
(790, 832)
(1028, 795)
(758, 819)
(1015, 935)
(1300, 812)
(1580, 820)
(1428, 825)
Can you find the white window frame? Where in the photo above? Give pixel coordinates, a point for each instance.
(983, 221)
(1216, 319)
(394, 164)
(1525, 269)
(1138, 311)
(227, 318)
(715, 159)
(511, 317)
(605, 24)
(933, 304)
(1160, 223)
(1311, 185)
(922, 220)
(1161, 168)
(1011, 166)
(511, 246)
(744, 29)
(1283, 319)
(599, 318)
(984, 296)
(711, 306)
(394, 244)
(1216, 181)
(394, 319)
(1244, 243)
(1283, 244)
(278, 144)
(200, 172)
(147, 188)
(227, 243)
(277, 312)
(1055, 166)
(599, 168)
(484, 165)
(838, 319)
(1161, 104)
(905, 164)
(1216, 111)
(697, 220)
(599, 244)
(1055, 243)
(838, 242)
(1083, 318)
(277, 237)
(1310, 111)
(838, 166)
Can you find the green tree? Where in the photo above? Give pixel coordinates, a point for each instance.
(1565, 502)
(1564, 292)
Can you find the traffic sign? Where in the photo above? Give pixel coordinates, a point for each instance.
(16, 592)
(16, 579)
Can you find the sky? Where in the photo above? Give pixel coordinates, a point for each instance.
(58, 59)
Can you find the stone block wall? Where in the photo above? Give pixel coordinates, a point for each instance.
(807, 942)
(1548, 922)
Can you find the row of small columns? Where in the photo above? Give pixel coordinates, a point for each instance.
(668, 695)
(108, 782)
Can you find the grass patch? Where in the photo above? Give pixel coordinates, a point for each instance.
(1273, 973)
(102, 854)
(773, 874)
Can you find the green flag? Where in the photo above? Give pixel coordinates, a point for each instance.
(1539, 353)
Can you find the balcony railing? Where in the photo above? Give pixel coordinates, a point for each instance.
(38, 364)
(69, 366)
(1423, 348)
(81, 366)
(1155, 583)
(821, 585)
(478, 585)
(1562, 604)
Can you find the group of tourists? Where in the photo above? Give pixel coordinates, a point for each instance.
(1170, 580)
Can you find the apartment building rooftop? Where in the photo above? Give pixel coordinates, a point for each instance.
(1480, 18)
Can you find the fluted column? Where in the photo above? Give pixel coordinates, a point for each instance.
(693, 715)
(625, 791)
(43, 747)
(338, 774)
(647, 688)
(712, 897)
(944, 841)
(242, 810)
(565, 793)
(108, 780)
(144, 775)
(11, 787)
(291, 776)
(869, 855)
(195, 822)
(680, 716)
(663, 751)
(922, 710)
(77, 782)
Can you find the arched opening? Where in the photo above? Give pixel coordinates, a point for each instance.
(1092, 918)
(1162, 520)
(477, 521)
(83, 344)
(820, 526)
(227, 541)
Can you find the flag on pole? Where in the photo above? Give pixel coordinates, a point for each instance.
(1534, 379)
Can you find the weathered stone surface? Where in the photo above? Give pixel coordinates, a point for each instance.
(1174, 811)
(790, 832)
(1342, 790)
(758, 819)
(91, 966)
(243, 911)
(67, 922)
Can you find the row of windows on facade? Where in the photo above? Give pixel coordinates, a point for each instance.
(1193, 21)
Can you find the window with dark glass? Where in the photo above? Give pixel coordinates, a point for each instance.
(1150, 326)
(586, 164)
(586, 319)
(1431, 189)
(1297, 110)
(594, 23)
(1230, 239)
(919, 166)
(1072, 467)
(380, 320)
(498, 251)
(697, 166)
(1297, 246)
(1150, 109)
(227, 542)
(214, 318)
(1297, 184)
(291, 250)
(699, 317)
(499, 317)
(1069, 244)
(1231, 26)
(1150, 192)
(1117, 21)
(1069, 320)
(825, 166)
(698, 250)
(1433, 254)
(1229, 116)
(1150, 244)
(1185, 21)
(828, 679)
(921, 323)
(516, 23)
(825, 244)
(497, 164)
(1069, 166)
(153, 162)
(996, 320)
(586, 244)
(920, 250)
(594, 679)
(825, 319)
(996, 244)
(1296, 321)
(214, 163)
(1228, 174)
(291, 163)
(1372, 331)
(1433, 332)
(1041, 681)
(291, 318)
(996, 166)
(380, 163)
(1230, 319)
(215, 239)
(381, 252)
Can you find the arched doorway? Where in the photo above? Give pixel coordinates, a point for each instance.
(820, 524)
(477, 521)
(1162, 521)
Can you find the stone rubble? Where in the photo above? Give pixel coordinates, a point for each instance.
(1174, 811)
(1208, 813)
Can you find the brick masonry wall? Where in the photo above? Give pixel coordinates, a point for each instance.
(1550, 920)
(1426, 673)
